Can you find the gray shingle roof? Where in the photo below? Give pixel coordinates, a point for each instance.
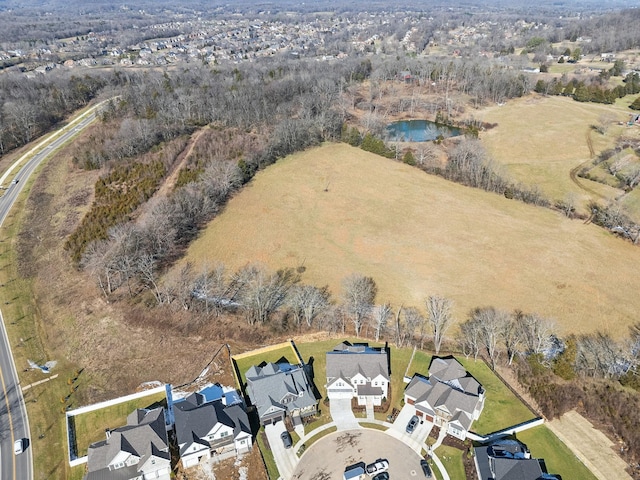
(145, 435)
(194, 419)
(346, 361)
(450, 394)
(503, 460)
(284, 388)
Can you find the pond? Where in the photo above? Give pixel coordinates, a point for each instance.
(419, 131)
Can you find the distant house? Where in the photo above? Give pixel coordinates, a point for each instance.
(202, 427)
(138, 450)
(280, 390)
(507, 459)
(450, 397)
(358, 371)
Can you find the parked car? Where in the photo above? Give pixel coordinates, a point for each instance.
(426, 469)
(18, 447)
(378, 466)
(381, 476)
(411, 426)
(286, 439)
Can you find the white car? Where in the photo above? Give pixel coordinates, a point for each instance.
(17, 446)
(378, 466)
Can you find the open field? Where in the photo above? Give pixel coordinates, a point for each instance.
(419, 235)
(540, 139)
(90, 426)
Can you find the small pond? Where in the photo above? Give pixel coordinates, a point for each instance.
(419, 131)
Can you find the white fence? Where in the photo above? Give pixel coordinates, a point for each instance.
(71, 434)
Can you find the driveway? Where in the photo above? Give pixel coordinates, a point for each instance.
(342, 414)
(399, 429)
(327, 458)
(285, 458)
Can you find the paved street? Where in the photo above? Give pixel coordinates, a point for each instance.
(14, 424)
(328, 458)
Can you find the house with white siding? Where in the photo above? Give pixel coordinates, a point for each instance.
(358, 371)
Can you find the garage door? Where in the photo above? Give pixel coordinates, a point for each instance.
(340, 394)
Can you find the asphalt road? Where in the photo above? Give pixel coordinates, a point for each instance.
(14, 423)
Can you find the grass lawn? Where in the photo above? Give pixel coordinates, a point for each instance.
(502, 408)
(245, 363)
(477, 248)
(90, 427)
(314, 439)
(452, 460)
(267, 455)
(559, 459)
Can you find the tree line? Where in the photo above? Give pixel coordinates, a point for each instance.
(592, 91)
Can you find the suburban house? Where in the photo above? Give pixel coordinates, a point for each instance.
(507, 459)
(280, 390)
(205, 426)
(138, 450)
(358, 371)
(449, 397)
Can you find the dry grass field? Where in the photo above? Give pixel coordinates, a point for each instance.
(417, 235)
(540, 140)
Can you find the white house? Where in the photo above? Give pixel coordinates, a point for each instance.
(450, 397)
(358, 371)
(206, 427)
(138, 450)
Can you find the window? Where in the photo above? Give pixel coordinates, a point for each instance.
(223, 434)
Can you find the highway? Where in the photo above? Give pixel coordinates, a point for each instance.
(14, 423)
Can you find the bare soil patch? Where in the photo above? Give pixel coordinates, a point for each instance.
(591, 446)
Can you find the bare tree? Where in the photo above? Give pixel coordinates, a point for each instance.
(263, 292)
(307, 302)
(359, 293)
(470, 338)
(513, 336)
(598, 355)
(406, 325)
(491, 322)
(439, 315)
(379, 318)
(536, 331)
(146, 267)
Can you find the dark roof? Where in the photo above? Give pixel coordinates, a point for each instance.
(195, 418)
(507, 459)
(145, 435)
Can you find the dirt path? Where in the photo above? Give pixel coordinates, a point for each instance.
(591, 446)
(168, 184)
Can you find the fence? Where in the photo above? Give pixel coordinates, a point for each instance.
(72, 448)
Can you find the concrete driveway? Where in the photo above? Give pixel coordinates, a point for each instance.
(285, 458)
(399, 429)
(327, 458)
(342, 414)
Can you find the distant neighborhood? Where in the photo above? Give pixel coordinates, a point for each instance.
(215, 422)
